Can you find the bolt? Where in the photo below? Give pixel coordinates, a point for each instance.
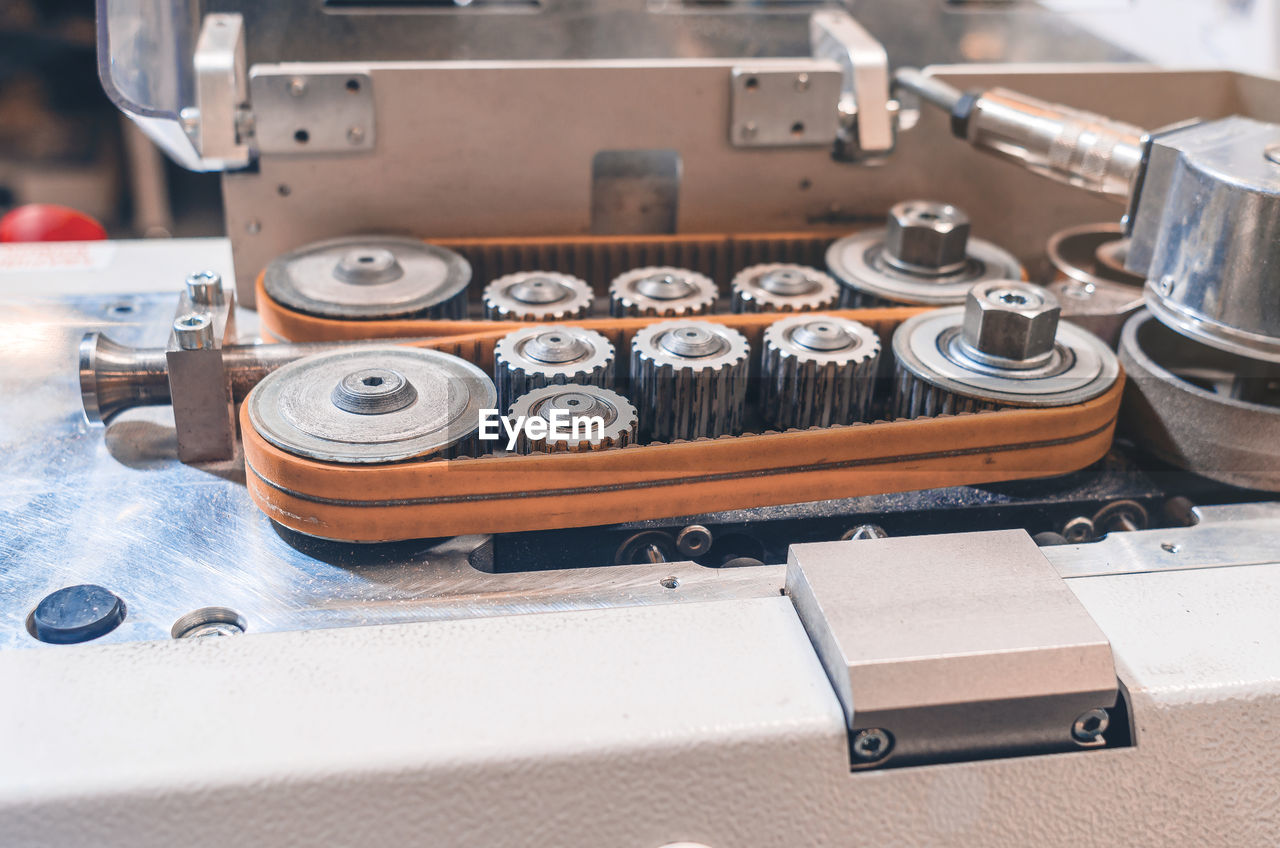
(871, 745)
(205, 288)
(749, 130)
(355, 135)
(669, 583)
(189, 118)
(693, 541)
(76, 614)
(864, 531)
(194, 331)
(1090, 726)
(297, 86)
(926, 237)
(802, 82)
(1011, 320)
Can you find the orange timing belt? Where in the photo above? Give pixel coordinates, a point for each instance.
(497, 494)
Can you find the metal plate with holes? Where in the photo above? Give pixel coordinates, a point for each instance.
(966, 645)
(784, 107)
(299, 112)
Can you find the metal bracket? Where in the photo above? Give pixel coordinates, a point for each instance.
(868, 113)
(203, 409)
(785, 106)
(952, 647)
(217, 124)
(301, 112)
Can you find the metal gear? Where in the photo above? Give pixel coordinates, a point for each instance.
(545, 355)
(689, 379)
(924, 257)
(372, 405)
(576, 405)
(661, 292)
(817, 370)
(537, 296)
(776, 287)
(370, 278)
(1005, 347)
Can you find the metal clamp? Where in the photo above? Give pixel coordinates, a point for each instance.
(868, 114)
(953, 647)
(199, 389)
(218, 124)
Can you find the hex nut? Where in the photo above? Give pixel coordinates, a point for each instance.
(927, 236)
(1011, 320)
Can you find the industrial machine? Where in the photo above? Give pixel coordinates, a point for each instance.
(653, 424)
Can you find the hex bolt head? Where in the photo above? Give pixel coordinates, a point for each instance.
(871, 745)
(194, 331)
(1090, 725)
(204, 288)
(1012, 320)
(927, 237)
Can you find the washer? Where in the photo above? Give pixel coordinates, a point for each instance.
(923, 257)
(1004, 347)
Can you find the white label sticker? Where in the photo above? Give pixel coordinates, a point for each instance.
(56, 256)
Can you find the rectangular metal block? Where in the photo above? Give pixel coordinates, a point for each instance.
(299, 111)
(790, 106)
(961, 646)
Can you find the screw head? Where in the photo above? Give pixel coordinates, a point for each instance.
(871, 745)
(297, 86)
(927, 237)
(1089, 726)
(194, 331)
(355, 135)
(1011, 320)
(205, 288)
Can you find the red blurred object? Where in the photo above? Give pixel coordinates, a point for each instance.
(49, 222)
